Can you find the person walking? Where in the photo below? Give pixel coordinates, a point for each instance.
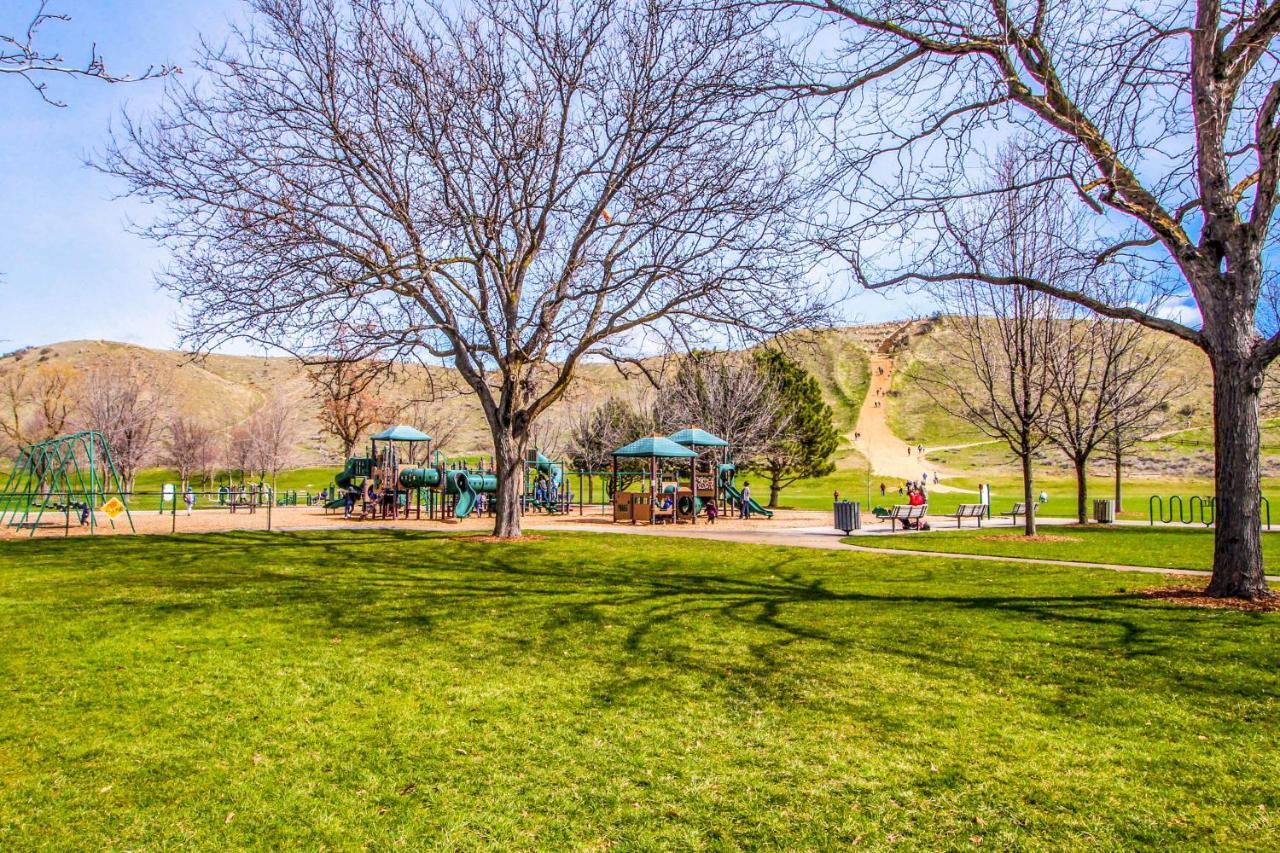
(746, 499)
(712, 512)
(882, 490)
(189, 498)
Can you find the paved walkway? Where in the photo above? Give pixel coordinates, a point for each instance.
(827, 539)
(788, 528)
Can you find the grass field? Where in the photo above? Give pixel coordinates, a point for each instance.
(384, 689)
(1165, 548)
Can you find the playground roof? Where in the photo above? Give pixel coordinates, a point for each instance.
(697, 438)
(400, 432)
(655, 445)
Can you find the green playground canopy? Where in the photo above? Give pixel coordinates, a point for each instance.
(697, 438)
(655, 446)
(401, 432)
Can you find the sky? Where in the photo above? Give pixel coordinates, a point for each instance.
(69, 266)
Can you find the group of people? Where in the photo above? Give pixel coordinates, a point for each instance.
(546, 493)
(906, 488)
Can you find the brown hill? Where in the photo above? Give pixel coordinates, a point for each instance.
(227, 388)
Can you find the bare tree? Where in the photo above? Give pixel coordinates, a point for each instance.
(433, 419)
(728, 395)
(348, 392)
(996, 373)
(1162, 119)
(241, 453)
(190, 446)
(594, 432)
(36, 405)
(1107, 384)
(508, 187)
(22, 56)
(119, 401)
(273, 436)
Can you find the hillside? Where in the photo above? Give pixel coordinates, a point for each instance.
(225, 388)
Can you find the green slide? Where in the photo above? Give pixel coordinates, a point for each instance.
(357, 466)
(734, 494)
(727, 472)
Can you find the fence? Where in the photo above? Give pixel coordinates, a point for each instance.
(72, 511)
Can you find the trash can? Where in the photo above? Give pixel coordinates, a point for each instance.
(848, 516)
(1104, 511)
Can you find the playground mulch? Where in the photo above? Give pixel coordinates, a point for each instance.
(307, 518)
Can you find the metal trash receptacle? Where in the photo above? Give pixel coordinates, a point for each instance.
(1104, 511)
(848, 516)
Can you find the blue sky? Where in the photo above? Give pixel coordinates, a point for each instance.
(69, 268)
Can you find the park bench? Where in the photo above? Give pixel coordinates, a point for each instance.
(969, 511)
(1019, 508)
(907, 514)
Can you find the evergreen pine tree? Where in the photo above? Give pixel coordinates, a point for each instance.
(808, 439)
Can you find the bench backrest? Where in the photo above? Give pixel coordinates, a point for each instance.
(971, 510)
(908, 511)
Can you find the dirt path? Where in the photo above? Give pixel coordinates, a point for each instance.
(890, 457)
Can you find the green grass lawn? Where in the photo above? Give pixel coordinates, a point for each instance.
(384, 689)
(1162, 547)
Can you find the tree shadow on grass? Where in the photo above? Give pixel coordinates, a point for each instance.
(747, 622)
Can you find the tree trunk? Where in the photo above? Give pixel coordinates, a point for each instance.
(508, 457)
(774, 488)
(1028, 499)
(1082, 492)
(1119, 500)
(1237, 544)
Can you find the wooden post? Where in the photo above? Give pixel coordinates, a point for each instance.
(654, 485)
(613, 489)
(693, 490)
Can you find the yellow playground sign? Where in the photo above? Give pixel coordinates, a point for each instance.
(113, 508)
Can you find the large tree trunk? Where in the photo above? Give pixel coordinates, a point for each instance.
(508, 457)
(1082, 492)
(1237, 545)
(774, 488)
(1028, 498)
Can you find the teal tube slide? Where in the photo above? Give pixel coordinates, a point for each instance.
(467, 486)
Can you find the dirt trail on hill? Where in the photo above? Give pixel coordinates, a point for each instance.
(890, 457)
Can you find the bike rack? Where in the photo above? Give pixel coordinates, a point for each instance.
(1201, 508)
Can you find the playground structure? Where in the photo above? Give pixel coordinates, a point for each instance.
(545, 486)
(401, 475)
(662, 497)
(68, 473)
(392, 481)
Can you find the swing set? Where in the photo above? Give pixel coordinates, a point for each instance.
(64, 474)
